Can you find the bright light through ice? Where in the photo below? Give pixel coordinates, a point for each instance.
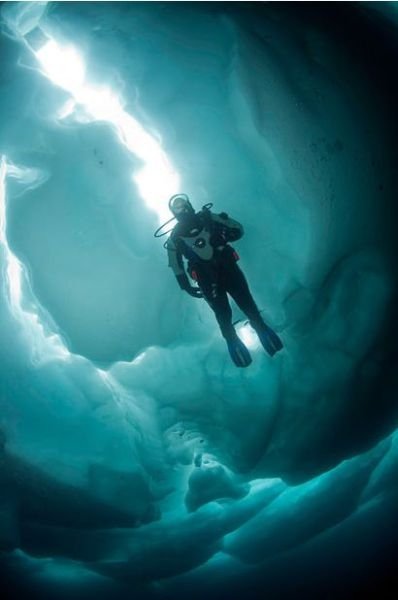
(14, 273)
(248, 336)
(156, 179)
(3, 171)
(62, 65)
(101, 104)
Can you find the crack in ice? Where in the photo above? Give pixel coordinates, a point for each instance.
(156, 179)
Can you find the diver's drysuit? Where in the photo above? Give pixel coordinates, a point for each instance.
(202, 238)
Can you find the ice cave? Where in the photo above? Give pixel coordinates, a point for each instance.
(136, 459)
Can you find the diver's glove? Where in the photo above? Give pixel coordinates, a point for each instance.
(184, 284)
(194, 291)
(222, 233)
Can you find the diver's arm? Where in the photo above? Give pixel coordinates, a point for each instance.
(230, 229)
(175, 258)
(184, 284)
(177, 264)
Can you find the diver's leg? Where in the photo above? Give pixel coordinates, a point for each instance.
(209, 282)
(218, 302)
(238, 287)
(217, 298)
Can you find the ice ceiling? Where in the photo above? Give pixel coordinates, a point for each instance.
(135, 459)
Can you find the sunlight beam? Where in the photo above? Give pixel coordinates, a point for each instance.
(156, 180)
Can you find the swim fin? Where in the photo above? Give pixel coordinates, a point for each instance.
(270, 341)
(238, 351)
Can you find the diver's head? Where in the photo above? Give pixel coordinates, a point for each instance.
(181, 207)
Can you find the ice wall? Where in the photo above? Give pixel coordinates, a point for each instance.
(134, 456)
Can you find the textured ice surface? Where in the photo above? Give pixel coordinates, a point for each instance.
(135, 458)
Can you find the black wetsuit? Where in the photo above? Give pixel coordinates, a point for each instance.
(212, 263)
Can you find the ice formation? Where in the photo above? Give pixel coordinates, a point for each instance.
(135, 459)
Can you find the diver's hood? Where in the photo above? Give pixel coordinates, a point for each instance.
(180, 206)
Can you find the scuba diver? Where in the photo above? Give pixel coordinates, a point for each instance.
(203, 238)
